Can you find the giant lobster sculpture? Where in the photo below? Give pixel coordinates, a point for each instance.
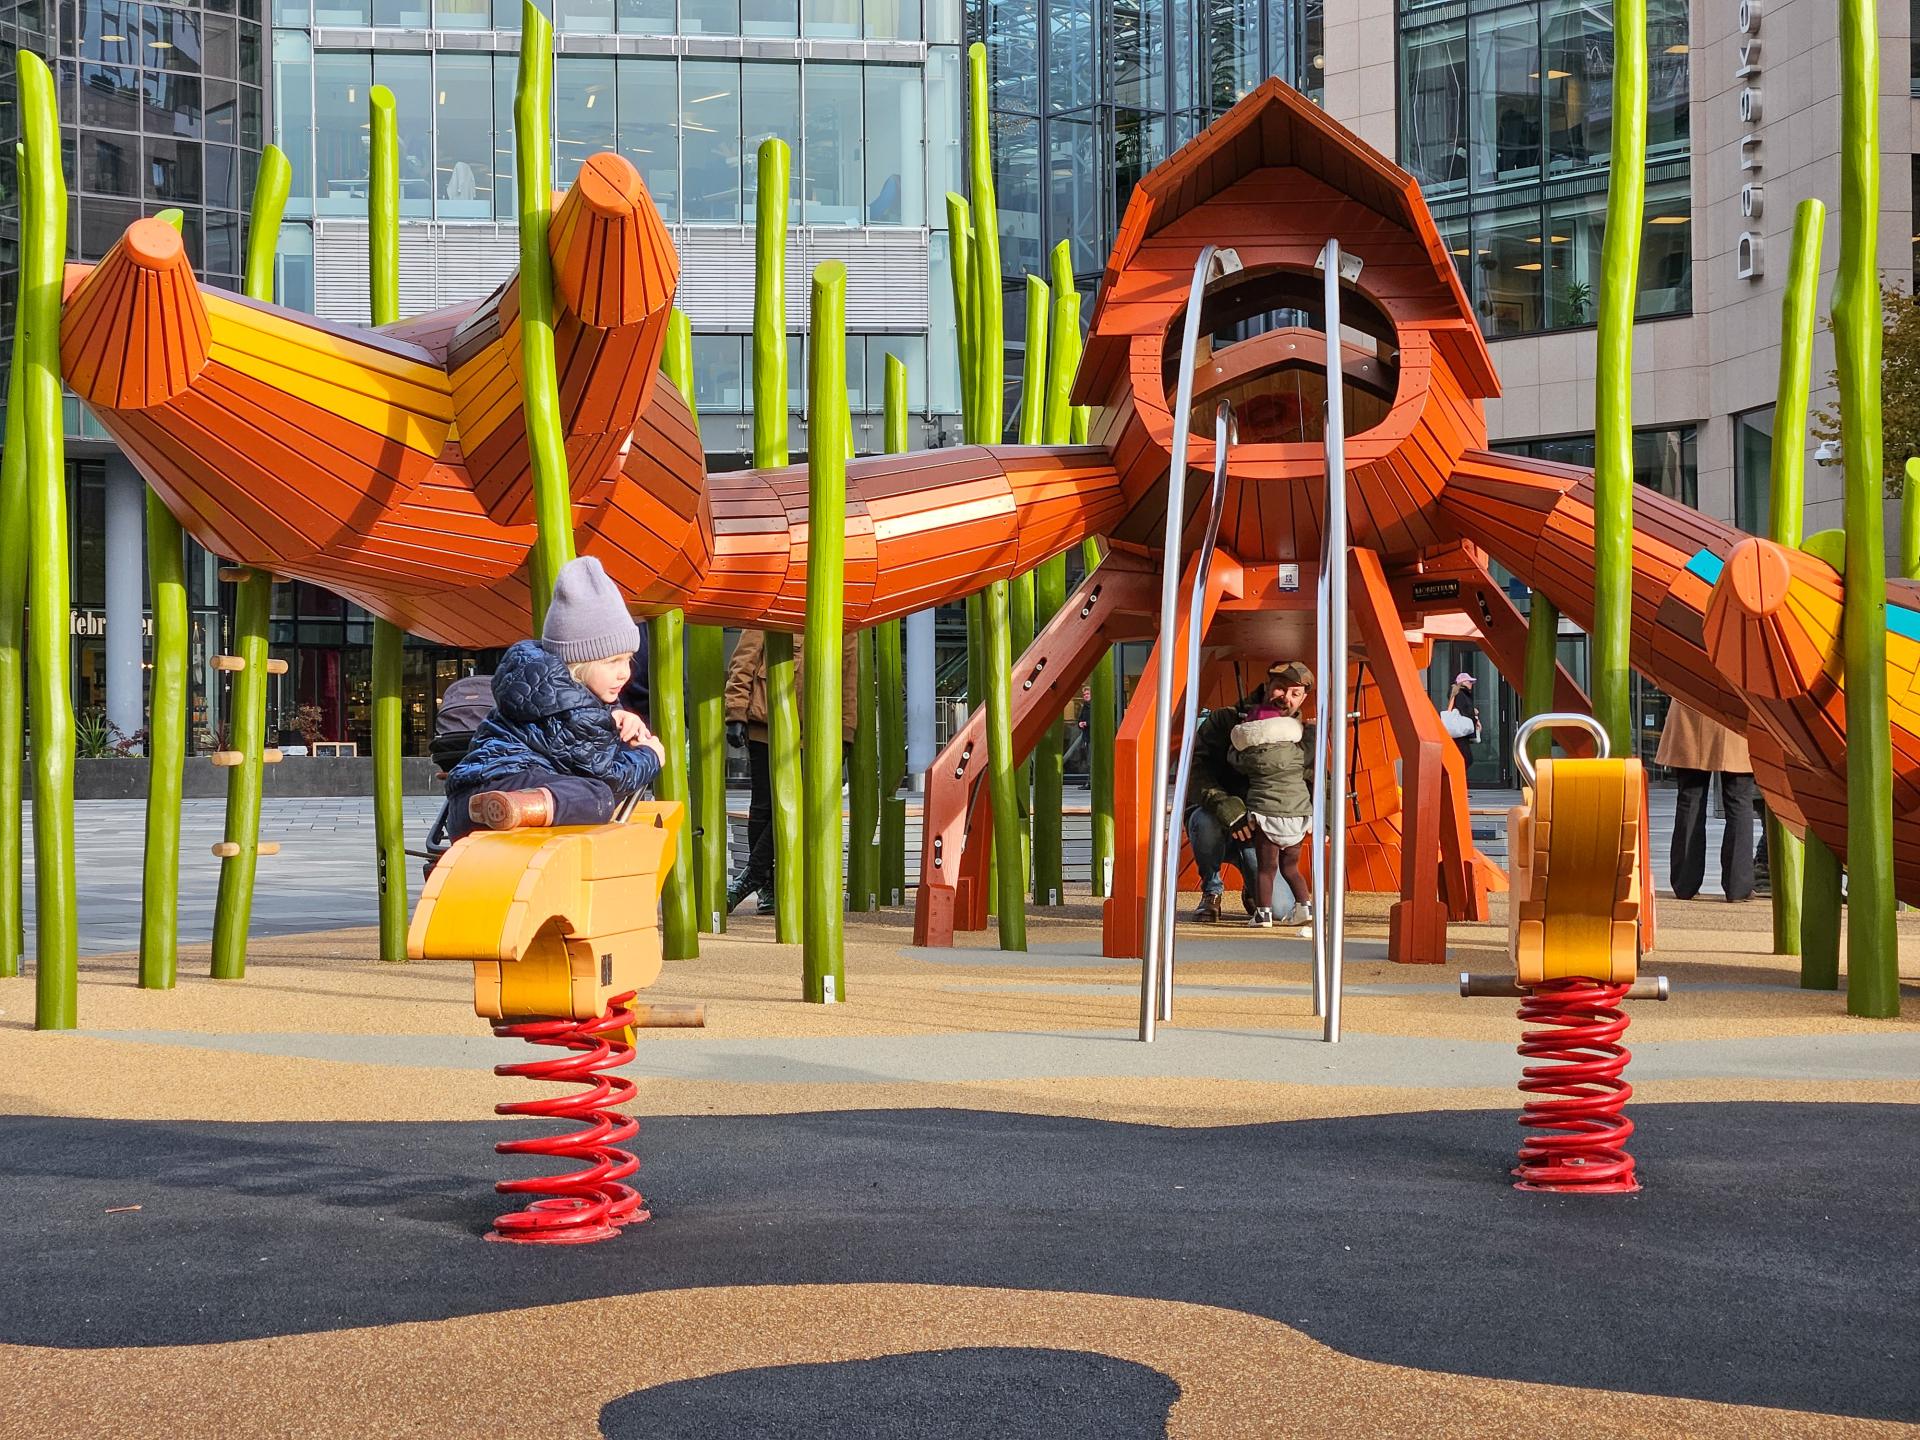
(391, 466)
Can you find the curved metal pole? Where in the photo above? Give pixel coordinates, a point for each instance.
(1333, 681)
(1317, 837)
(1226, 434)
(1169, 616)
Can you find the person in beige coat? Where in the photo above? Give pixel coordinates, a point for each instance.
(1696, 749)
(746, 707)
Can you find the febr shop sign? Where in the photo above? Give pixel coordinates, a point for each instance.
(1748, 257)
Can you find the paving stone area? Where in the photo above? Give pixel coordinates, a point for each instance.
(322, 879)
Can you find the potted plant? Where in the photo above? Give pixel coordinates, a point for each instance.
(306, 724)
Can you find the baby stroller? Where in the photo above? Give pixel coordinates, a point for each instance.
(465, 704)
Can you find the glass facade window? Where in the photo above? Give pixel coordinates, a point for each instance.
(1753, 471)
(1664, 460)
(1507, 122)
(693, 127)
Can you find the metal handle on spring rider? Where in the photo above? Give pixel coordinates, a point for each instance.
(1554, 720)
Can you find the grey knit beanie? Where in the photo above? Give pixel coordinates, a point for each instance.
(588, 619)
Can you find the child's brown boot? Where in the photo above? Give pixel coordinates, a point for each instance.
(511, 809)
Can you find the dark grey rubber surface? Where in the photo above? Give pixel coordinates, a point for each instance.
(980, 1394)
(1774, 1258)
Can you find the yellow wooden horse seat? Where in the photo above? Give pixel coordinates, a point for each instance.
(556, 921)
(1574, 847)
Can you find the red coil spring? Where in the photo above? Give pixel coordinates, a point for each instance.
(592, 1202)
(1579, 1133)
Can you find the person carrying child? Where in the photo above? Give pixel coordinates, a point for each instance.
(556, 750)
(1270, 749)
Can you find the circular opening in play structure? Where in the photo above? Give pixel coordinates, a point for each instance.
(1263, 347)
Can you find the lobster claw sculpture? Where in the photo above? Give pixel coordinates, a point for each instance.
(391, 466)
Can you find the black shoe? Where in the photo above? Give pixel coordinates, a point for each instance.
(736, 892)
(766, 902)
(1246, 901)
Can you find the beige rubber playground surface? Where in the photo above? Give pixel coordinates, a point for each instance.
(320, 1031)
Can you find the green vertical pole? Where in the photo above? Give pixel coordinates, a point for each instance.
(540, 373)
(667, 690)
(770, 452)
(890, 669)
(389, 644)
(706, 661)
(166, 740)
(253, 604)
(863, 784)
(706, 707)
(43, 254)
(1786, 856)
(965, 318)
(1042, 771)
(1909, 518)
(13, 618)
(1101, 725)
(679, 930)
(247, 730)
(1820, 916)
(1543, 647)
(824, 976)
(166, 749)
(1873, 976)
(1613, 386)
(996, 619)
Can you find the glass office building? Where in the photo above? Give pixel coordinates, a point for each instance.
(1506, 123)
(161, 106)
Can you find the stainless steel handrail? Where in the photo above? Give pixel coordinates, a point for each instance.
(1157, 854)
(1330, 740)
(1226, 435)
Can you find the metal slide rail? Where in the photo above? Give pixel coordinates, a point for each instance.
(1330, 651)
(1226, 434)
(1211, 261)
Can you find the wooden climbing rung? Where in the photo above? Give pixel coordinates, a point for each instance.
(271, 755)
(228, 757)
(276, 667)
(234, 574)
(227, 849)
(229, 662)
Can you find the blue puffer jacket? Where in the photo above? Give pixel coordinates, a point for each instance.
(543, 718)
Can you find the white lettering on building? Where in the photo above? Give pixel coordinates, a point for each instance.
(1749, 259)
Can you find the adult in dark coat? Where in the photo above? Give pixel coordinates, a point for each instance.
(1218, 826)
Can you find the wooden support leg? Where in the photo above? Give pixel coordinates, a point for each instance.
(1135, 808)
(1113, 603)
(1436, 870)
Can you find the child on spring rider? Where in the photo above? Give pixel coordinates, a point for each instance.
(556, 750)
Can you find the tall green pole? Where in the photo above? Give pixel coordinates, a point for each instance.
(1613, 384)
(43, 255)
(666, 654)
(389, 643)
(1786, 857)
(890, 669)
(166, 749)
(1046, 593)
(252, 605)
(1009, 857)
(824, 975)
(1873, 975)
(966, 308)
(1543, 646)
(667, 694)
(863, 783)
(1101, 724)
(706, 651)
(13, 618)
(166, 740)
(770, 452)
(1066, 424)
(540, 373)
(1910, 519)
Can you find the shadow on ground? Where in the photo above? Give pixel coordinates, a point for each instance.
(983, 1394)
